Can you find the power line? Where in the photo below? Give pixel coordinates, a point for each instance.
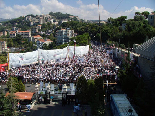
(118, 6)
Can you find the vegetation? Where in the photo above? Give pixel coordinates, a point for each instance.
(141, 92)
(3, 58)
(91, 92)
(9, 102)
(59, 15)
(16, 83)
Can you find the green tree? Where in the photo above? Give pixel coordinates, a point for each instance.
(9, 102)
(17, 84)
(146, 14)
(81, 89)
(91, 90)
(3, 58)
(45, 46)
(137, 13)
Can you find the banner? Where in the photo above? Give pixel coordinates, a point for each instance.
(21, 59)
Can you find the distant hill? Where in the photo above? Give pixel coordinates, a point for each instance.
(2, 20)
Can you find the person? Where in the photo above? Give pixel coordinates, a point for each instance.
(20, 108)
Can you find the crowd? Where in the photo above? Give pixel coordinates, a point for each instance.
(96, 63)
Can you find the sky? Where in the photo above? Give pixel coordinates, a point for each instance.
(84, 9)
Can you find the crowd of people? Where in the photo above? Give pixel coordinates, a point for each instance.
(98, 62)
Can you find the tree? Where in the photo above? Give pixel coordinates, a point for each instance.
(3, 58)
(91, 90)
(45, 46)
(137, 13)
(146, 14)
(17, 84)
(81, 90)
(8, 103)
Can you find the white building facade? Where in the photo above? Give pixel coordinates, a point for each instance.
(64, 35)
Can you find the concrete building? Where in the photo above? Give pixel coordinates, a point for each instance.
(34, 30)
(40, 42)
(41, 20)
(147, 58)
(12, 34)
(35, 38)
(39, 26)
(151, 19)
(3, 46)
(24, 34)
(64, 35)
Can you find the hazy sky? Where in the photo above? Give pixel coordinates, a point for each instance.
(85, 9)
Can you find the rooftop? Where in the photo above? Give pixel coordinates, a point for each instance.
(37, 36)
(23, 95)
(23, 31)
(123, 104)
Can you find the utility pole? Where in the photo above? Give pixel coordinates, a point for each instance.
(100, 25)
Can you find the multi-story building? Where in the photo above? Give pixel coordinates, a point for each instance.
(151, 19)
(34, 30)
(3, 46)
(13, 34)
(64, 35)
(24, 34)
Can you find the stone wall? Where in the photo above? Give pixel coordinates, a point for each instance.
(145, 66)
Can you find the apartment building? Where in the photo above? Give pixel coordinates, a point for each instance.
(3, 46)
(24, 34)
(64, 35)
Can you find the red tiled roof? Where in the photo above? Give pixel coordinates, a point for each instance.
(48, 40)
(36, 36)
(41, 40)
(12, 32)
(23, 31)
(23, 95)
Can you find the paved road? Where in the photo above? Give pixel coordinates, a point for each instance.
(55, 109)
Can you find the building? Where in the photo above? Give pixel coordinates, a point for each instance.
(3, 46)
(121, 106)
(48, 41)
(12, 34)
(41, 20)
(40, 42)
(39, 26)
(64, 35)
(34, 30)
(35, 38)
(24, 34)
(151, 19)
(24, 97)
(147, 58)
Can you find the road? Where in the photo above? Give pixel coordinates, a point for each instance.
(55, 109)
